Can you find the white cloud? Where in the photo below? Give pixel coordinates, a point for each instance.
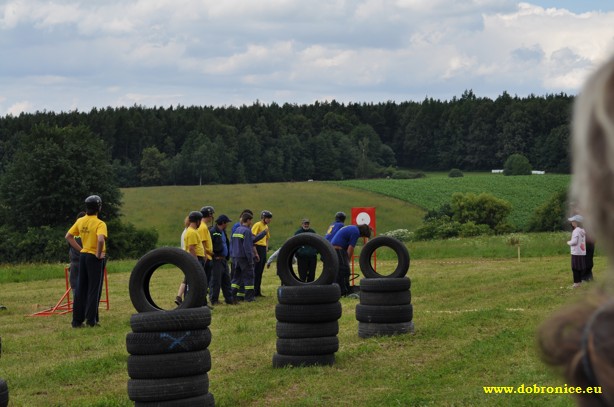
(19, 107)
(219, 52)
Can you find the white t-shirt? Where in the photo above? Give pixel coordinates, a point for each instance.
(578, 242)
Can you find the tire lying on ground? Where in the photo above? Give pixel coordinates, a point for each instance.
(308, 294)
(367, 329)
(384, 241)
(169, 365)
(309, 360)
(324, 248)
(176, 320)
(323, 345)
(168, 388)
(385, 284)
(142, 272)
(153, 343)
(206, 400)
(386, 314)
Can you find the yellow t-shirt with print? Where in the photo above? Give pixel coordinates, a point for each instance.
(88, 228)
(205, 236)
(258, 228)
(192, 238)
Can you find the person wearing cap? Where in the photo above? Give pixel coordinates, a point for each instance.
(578, 249)
(93, 233)
(220, 276)
(244, 256)
(205, 235)
(192, 244)
(306, 256)
(335, 226)
(262, 247)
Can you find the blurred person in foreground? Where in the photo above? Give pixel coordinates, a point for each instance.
(580, 339)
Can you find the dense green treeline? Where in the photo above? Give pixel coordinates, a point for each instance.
(270, 143)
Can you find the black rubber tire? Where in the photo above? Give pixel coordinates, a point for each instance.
(140, 278)
(4, 393)
(168, 388)
(324, 248)
(323, 345)
(177, 320)
(308, 313)
(206, 400)
(368, 330)
(384, 314)
(154, 343)
(301, 361)
(308, 294)
(385, 297)
(306, 330)
(385, 284)
(380, 241)
(169, 365)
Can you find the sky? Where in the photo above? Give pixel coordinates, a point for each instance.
(67, 55)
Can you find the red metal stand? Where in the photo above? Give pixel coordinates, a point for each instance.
(64, 305)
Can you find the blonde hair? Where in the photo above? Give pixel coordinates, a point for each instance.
(593, 154)
(579, 338)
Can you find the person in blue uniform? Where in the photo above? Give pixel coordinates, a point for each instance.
(344, 242)
(335, 226)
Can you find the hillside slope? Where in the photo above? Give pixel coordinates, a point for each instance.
(164, 208)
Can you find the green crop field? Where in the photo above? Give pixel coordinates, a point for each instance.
(525, 193)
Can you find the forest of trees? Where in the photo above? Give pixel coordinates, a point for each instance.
(322, 141)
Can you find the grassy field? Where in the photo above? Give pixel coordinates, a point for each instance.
(525, 193)
(475, 326)
(476, 311)
(400, 204)
(164, 208)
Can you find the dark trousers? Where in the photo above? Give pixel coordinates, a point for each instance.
(74, 276)
(243, 277)
(208, 267)
(578, 267)
(220, 279)
(89, 288)
(307, 268)
(343, 276)
(259, 269)
(590, 253)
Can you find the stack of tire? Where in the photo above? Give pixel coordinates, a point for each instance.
(307, 325)
(169, 357)
(307, 313)
(385, 306)
(4, 390)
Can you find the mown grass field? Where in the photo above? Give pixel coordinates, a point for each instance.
(475, 326)
(525, 193)
(164, 208)
(476, 310)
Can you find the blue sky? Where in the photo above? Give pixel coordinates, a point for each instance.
(79, 54)
(577, 6)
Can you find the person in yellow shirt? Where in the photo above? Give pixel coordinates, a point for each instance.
(203, 230)
(93, 234)
(262, 246)
(192, 243)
